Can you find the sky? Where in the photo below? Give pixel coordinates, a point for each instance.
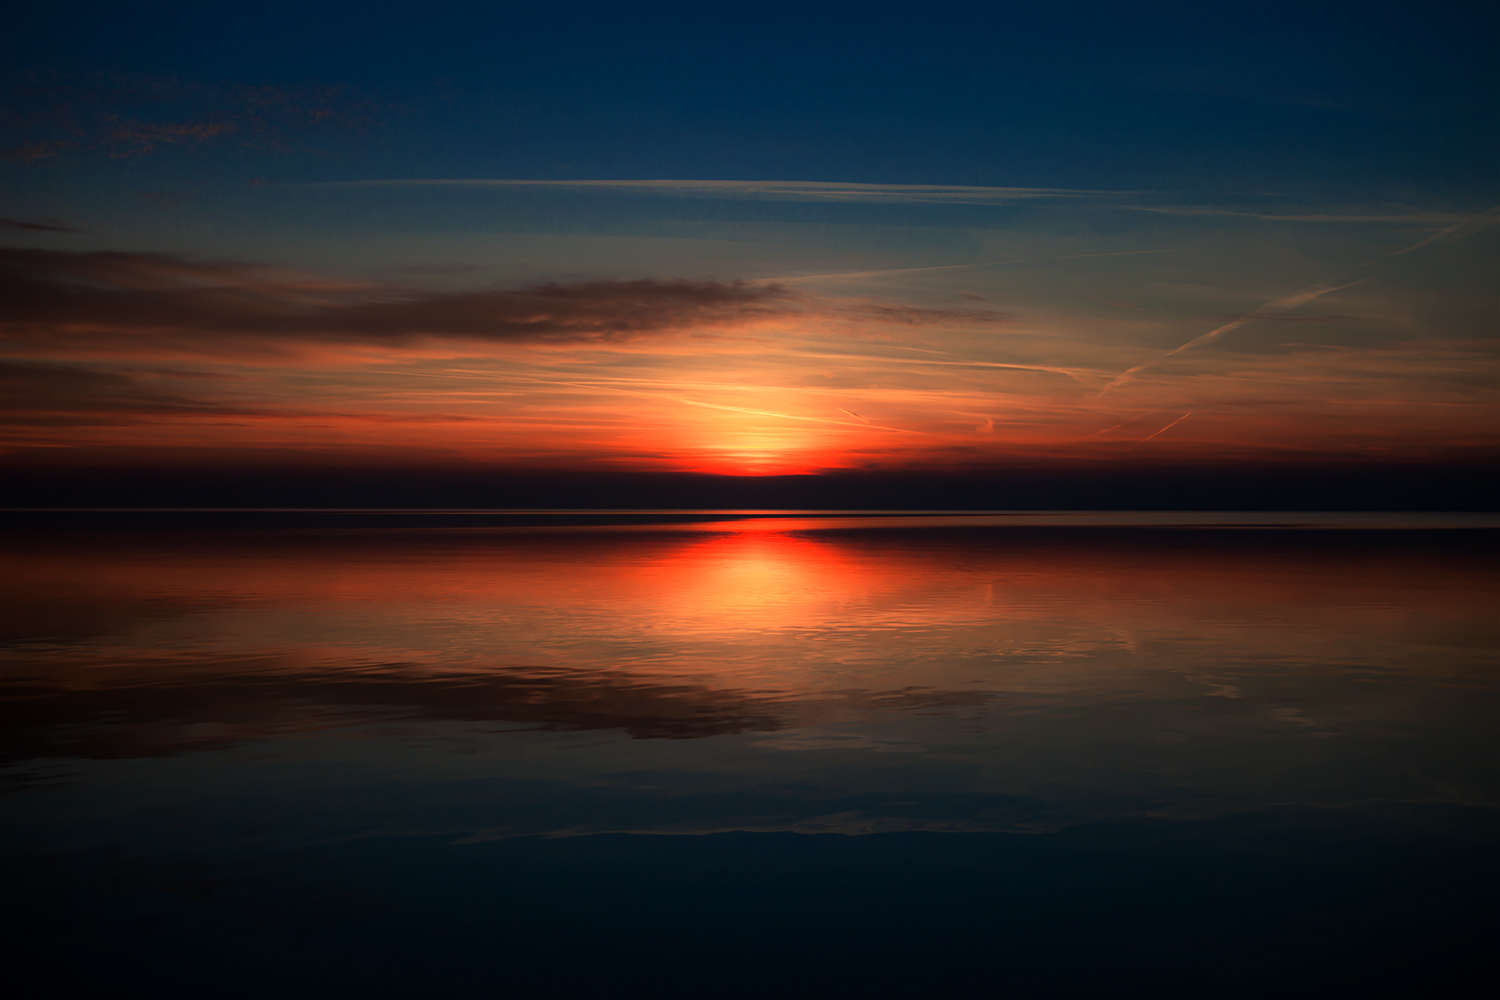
(749, 239)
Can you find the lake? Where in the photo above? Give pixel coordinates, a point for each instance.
(698, 754)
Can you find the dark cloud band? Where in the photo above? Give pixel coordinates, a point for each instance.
(120, 299)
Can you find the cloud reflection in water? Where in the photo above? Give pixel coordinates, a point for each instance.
(870, 676)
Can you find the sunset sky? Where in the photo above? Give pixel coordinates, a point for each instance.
(749, 238)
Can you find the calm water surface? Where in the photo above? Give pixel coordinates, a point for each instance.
(719, 754)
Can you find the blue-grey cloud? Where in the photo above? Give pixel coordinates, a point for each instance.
(39, 226)
(57, 298)
(122, 116)
(62, 300)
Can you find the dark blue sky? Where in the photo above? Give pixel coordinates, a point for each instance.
(751, 238)
(1369, 99)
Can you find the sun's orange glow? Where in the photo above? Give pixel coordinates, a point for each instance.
(753, 382)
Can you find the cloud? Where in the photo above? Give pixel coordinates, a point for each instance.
(814, 191)
(40, 394)
(109, 299)
(846, 192)
(1192, 210)
(128, 116)
(29, 152)
(136, 711)
(44, 394)
(956, 267)
(1285, 319)
(40, 226)
(918, 316)
(146, 303)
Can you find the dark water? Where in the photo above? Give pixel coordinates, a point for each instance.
(719, 755)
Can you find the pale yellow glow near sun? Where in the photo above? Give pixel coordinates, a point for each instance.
(744, 445)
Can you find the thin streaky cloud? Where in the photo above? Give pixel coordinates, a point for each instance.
(889, 347)
(1195, 211)
(827, 191)
(685, 384)
(860, 193)
(772, 413)
(1078, 374)
(953, 267)
(596, 387)
(918, 350)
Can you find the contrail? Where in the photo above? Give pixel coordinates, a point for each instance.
(951, 267)
(1307, 294)
(1148, 437)
(1272, 308)
(1457, 229)
(1138, 416)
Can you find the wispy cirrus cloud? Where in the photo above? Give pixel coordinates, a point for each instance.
(1435, 218)
(806, 191)
(892, 272)
(856, 193)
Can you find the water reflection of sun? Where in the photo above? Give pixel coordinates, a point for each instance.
(752, 580)
(763, 561)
